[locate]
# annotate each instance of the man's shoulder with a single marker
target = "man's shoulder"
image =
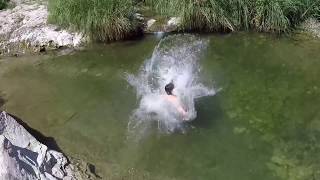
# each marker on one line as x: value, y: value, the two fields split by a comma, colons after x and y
x: 170, y: 97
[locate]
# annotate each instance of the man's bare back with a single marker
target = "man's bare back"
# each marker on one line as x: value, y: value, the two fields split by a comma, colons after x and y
x: 177, y: 104
x: 174, y: 101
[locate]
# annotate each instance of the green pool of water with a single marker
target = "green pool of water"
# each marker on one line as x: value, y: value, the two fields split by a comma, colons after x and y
x: 264, y: 124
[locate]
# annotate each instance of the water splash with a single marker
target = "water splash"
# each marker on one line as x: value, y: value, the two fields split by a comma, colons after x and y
x: 175, y: 59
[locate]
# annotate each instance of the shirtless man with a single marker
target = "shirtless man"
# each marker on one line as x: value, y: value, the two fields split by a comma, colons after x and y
x: 174, y: 100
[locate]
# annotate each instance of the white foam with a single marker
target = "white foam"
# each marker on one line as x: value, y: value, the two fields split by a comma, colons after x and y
x: 175, y: 59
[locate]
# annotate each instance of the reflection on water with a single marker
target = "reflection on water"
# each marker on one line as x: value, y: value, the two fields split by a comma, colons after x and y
x: 264, y: 124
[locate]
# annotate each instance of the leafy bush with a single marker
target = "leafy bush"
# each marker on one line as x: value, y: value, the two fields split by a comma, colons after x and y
x: 109, y: 20
x: 228, y: 15
x: 311, y: 8
x: 269, y: 16
x: 103, y: 20
x: 3, y: 4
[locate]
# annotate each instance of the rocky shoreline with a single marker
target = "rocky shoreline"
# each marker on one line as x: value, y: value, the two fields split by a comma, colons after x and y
x: 24, y: 29
x: 24, y: 157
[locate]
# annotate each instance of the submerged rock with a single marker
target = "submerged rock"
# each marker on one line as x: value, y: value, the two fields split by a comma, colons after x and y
x: 24, y: 28
x: 24, y: 157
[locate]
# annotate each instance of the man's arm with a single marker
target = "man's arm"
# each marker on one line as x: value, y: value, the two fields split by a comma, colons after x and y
x: 182, y: 112
x: 175, y: 101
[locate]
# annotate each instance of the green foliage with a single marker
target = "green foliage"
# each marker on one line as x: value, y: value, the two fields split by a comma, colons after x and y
x: 270, y: 17
x: 240, y: 11
x: 196, y: 15
x: 208, y: 16
x: 103, y: 20
x: 311, y: 8
x: 108, y: 20
x: 3, y: 4
x: 229, y: 15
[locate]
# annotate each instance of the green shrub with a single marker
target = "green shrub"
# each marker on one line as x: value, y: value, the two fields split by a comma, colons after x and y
x: 311, y: 8
x: 205, y: 16
x: 228, y: 15
x: 108, y: 20
x: 103, y: 20
x: 270, y: 17
x: 3, y: 4
x: 240, y: 13
x: 195, y: 15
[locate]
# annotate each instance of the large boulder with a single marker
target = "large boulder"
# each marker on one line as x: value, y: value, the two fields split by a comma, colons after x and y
x: 25, y: 28
x: 24, y: 157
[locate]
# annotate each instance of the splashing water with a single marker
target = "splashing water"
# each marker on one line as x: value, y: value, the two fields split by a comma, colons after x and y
x: 175, y: 59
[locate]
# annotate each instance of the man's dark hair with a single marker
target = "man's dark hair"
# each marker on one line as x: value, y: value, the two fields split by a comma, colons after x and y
x: 169, y: 87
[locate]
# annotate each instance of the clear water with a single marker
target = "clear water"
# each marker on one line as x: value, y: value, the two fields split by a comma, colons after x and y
x: 264, y: 124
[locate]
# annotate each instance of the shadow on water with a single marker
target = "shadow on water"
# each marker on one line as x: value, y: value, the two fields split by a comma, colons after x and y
x: 2, y: 100
x: 48, y: 141
x: 208, y: 111
x: 51, y: 143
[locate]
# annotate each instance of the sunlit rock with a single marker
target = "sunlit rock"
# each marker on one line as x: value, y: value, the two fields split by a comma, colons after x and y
x: 173, y: 24
x: 23, y: 157
x: 24, y: 28
x: 150, y: 23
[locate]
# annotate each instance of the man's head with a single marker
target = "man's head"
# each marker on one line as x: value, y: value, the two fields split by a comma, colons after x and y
x: 169, y: 87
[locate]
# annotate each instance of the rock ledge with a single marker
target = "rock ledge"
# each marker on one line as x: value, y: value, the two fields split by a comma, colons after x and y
x: 24, y: 157
x: 24, y: 28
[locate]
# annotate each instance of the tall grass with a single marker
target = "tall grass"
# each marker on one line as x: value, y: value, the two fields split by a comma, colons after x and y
x: 109, y: 20
x: 103, y: 20
x: 229, y: 15
x: 310, y: 8
x: 205, y: 16
x: 240, y: 11
x: 269, y: 16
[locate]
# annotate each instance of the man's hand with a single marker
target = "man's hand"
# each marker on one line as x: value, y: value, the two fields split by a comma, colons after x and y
x: 183, y: 113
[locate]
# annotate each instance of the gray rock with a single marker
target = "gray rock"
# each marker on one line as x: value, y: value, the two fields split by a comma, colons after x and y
x: 139, y: 16
x: 150, y: 22
x: 23, y: 157
x: 24, y: 28
x: 162, y: 25
x: 312, y: 26
x: 173, y: 24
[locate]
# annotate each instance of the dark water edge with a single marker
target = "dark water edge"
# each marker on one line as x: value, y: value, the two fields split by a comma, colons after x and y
x: 50, y: 142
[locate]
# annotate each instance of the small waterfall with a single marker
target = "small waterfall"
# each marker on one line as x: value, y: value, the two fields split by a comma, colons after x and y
x: 175, y: 59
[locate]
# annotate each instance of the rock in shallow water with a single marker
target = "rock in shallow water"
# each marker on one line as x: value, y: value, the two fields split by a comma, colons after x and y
x: 24, y: 28
x: 23, y: 157
x: 312, y: 26
x: 173, y: 24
